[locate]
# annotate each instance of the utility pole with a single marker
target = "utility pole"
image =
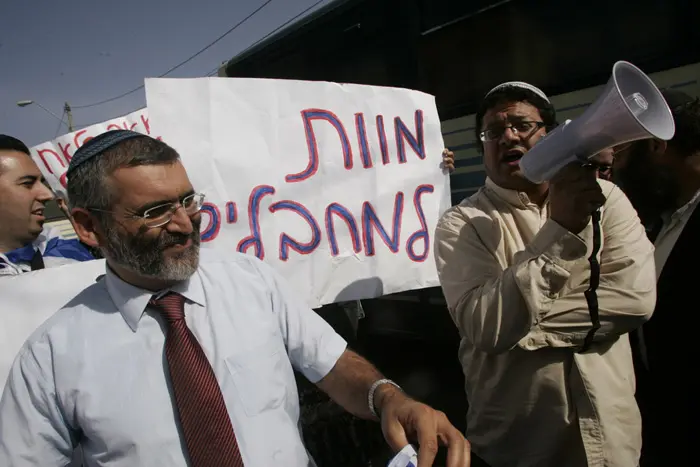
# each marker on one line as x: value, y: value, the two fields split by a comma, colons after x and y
x: 66, y: 110
x: 69, y: 114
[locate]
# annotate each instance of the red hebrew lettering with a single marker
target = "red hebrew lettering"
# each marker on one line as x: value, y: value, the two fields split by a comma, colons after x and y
x: 308, y: 116
x: 146, y: 125
x: 77, y: 141
x: 64, y: 151
x: 404, y: 135
x: 41, y: 153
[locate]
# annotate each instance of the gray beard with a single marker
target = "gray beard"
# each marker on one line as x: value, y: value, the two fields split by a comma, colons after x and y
x: 145, y: 257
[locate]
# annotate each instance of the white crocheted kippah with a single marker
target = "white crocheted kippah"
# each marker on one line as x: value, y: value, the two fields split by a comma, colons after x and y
x: 521, y: 85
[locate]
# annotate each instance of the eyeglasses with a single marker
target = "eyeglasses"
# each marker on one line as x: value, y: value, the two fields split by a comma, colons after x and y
x: 524, y: 128
x: 158, y: 216
x: 604, y: 170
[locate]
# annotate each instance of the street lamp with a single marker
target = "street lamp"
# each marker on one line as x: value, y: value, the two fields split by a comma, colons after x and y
x: 66, y: 109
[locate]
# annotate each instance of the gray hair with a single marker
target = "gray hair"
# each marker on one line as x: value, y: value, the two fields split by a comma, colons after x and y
x: 89, y: 185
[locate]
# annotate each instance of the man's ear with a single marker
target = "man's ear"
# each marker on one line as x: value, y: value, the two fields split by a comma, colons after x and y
x: 658, y: 147
x: 86, y: 227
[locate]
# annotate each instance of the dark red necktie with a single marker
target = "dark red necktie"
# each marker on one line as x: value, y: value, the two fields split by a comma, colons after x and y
x: 204, y: 419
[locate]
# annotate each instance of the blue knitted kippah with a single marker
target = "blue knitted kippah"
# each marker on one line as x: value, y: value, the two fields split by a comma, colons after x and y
x: 99, y: 144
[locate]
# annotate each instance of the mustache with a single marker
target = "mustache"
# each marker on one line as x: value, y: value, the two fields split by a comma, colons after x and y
x: 168, y: 239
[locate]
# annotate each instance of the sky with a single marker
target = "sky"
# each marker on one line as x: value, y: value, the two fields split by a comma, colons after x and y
x: 87, y: 51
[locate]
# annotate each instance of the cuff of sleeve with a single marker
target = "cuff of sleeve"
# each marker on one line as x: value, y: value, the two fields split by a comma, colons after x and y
x: 560, y: 246
x: 537, y: 339
x: 327, y: 357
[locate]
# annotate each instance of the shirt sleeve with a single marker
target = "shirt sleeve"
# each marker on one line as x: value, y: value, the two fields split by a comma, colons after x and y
x: 312, y: 344
x: 32, y: 427
x: 627, y: 290
x: 495, y: 305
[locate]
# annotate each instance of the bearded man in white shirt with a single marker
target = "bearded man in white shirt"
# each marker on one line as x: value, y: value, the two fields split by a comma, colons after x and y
x: 179, y: 356
x: 513, y: 265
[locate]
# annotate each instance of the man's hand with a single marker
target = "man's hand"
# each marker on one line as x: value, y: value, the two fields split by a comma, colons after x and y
x: 403, y: 418
x: 448, y: 160
x: 574, y: 193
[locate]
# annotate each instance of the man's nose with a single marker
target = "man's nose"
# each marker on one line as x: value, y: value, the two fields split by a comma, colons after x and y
x: 180, y: 222
x: 44, y: 193
x: 509, y: 136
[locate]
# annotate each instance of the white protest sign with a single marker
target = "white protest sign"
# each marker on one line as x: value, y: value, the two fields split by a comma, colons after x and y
x: 30, y: 299
x: 54, y: 156
x: 337, y: 186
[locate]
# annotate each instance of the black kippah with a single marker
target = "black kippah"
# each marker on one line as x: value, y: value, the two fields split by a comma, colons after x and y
x: 98, y: 145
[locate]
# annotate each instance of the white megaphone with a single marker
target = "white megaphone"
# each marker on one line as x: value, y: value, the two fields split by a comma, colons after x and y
x: 631, y: 108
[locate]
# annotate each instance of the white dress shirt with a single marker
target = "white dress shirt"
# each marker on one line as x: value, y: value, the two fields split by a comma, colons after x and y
x: 673, y: 225
x: 95, y: 373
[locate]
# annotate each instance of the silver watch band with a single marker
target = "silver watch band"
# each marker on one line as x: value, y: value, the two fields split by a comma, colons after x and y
x: 373, y: 389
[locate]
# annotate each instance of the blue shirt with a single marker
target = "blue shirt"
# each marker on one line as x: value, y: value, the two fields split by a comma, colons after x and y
x: 55, y: 251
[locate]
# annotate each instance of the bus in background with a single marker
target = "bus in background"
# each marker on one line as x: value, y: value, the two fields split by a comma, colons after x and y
x: 457, y: 51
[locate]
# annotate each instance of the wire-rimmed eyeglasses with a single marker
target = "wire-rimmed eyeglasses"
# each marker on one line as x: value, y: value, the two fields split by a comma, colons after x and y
x: 524, y: 127
x: 158, y: 216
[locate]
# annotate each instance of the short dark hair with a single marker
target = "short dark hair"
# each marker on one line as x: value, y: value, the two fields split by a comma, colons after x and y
x: 515, y: 94
x: 686, y: 140
x: 10, y: 143
x: 88, y: 185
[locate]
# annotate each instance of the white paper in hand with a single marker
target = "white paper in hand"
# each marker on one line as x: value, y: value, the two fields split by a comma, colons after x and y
x: 407, y: 457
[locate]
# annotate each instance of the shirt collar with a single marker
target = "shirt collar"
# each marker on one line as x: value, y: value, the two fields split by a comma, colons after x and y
x: 512, y: 197
x: 670, y: 216
x: 131, y: 301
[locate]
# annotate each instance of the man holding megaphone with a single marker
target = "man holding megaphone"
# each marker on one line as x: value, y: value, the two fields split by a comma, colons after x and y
x: 545, y: 352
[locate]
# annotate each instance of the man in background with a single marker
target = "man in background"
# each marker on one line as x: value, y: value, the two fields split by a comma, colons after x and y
x: 662, y: 180
x: 24, y: 243
x: 62, y: 203
x: 603, y: 162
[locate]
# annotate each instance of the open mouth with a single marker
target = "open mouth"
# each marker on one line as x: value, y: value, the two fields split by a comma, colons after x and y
x: 512, y: 157
x: 38, y: 212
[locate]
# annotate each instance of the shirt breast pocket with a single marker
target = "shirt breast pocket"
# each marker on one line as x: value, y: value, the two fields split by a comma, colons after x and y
x: 260, y: 376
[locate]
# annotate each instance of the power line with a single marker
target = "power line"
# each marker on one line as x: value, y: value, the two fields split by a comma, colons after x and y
x: 293, y: 18
x: 60, y: 124
x: 274, y: 31
x: 179, y: 64
x: 215, y: 70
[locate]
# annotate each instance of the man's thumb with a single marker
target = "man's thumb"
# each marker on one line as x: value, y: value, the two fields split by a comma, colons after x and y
x: 394, y: 435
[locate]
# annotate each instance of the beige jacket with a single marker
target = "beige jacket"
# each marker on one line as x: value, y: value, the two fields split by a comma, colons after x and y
x: 514, y: 282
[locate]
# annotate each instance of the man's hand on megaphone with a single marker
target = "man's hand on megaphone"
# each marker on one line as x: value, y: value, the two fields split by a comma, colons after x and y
x: 574, y: 193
